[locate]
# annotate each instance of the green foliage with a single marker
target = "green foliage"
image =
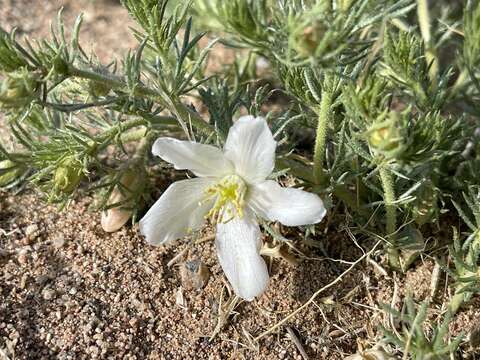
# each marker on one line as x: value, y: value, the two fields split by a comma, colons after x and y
x: 19, y: 88
x: 10, y: 54
x: 412, y: 337
x: 471, y: 45
x: 465, y: 256
x: 10, y: 173
x: 151, y: 16
x: 246, y: 19
x: 65, y: 108
x: 405, y: 63
x: 323, y: 32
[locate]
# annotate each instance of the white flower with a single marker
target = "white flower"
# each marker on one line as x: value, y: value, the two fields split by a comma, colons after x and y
x: 231, y: 190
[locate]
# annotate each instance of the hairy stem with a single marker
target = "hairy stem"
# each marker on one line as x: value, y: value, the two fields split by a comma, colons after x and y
x: 126, y: 125
x: 321, y: 136
x: 134, y: 135
x: 144, y: 146
x: 386, y: 178
x: 430, y: 54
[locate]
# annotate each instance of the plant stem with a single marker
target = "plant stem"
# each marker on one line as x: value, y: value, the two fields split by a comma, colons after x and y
x: 156, y: 119
x: 430, y: 55
x: 103, y: 138
x: 112, y: 81
x: 126, y: 125
x: 174, y: 105
x: 386, y: 178
x: 321, y: 136
x: 144, y: 146
x: 134, y: 135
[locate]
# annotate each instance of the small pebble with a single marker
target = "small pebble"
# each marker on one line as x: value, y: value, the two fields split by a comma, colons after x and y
x: 58, y: 242
x: 23, y: 281
x: 194, y: 274
x: 48, y: 294
x: 179, y: 299
x: 23, y: 256
x: 93, y: 350
x: 32, y: 231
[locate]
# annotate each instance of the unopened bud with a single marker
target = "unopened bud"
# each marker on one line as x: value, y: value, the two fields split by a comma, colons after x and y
x: 385, y: 137
x: 425, y: 206
x: 98, y: 89
x: 113, y: 219
x: 9, y: 172
x: 60, y: 65
x: 307, y: 38
x: 68, y: 175
x: 18, y: 89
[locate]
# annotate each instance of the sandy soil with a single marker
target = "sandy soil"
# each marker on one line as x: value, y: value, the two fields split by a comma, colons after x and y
x: 71, y: 291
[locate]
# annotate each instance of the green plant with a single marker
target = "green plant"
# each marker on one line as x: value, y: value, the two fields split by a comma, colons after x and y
x: 376, y: 115
x: 414, y: 340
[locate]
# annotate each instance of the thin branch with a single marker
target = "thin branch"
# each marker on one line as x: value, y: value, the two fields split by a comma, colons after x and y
x: 316, y: 294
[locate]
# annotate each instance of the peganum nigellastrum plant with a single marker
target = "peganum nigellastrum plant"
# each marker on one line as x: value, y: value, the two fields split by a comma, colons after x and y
x: 373, y: 105
x: 231, y: 191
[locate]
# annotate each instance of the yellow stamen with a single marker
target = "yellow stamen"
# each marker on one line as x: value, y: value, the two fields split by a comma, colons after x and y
x: 229, y: 195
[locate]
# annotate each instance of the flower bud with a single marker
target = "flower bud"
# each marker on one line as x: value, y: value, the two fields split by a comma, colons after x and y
x: 306, y: 39
x: 309, y: 33
x: 412, y: 245
x: 113, y: 219
x: 9, y: 172
x: 60, y: 65
x: 18, y: 89
x: 68, y: 175
x: 425, y: 206
x: 385, y: 137
x: 98, y: 89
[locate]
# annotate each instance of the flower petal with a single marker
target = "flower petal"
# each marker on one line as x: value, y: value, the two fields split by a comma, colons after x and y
x: 177, y: 212
x: 292, y: 207
x: 251, y: 148
x: 201, y: 159
x: 238, y: 246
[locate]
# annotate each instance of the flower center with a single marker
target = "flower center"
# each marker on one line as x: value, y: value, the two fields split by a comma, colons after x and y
x: 229, y: 194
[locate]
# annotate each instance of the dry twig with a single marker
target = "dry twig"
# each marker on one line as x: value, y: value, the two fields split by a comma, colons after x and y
x: 314, y: 296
